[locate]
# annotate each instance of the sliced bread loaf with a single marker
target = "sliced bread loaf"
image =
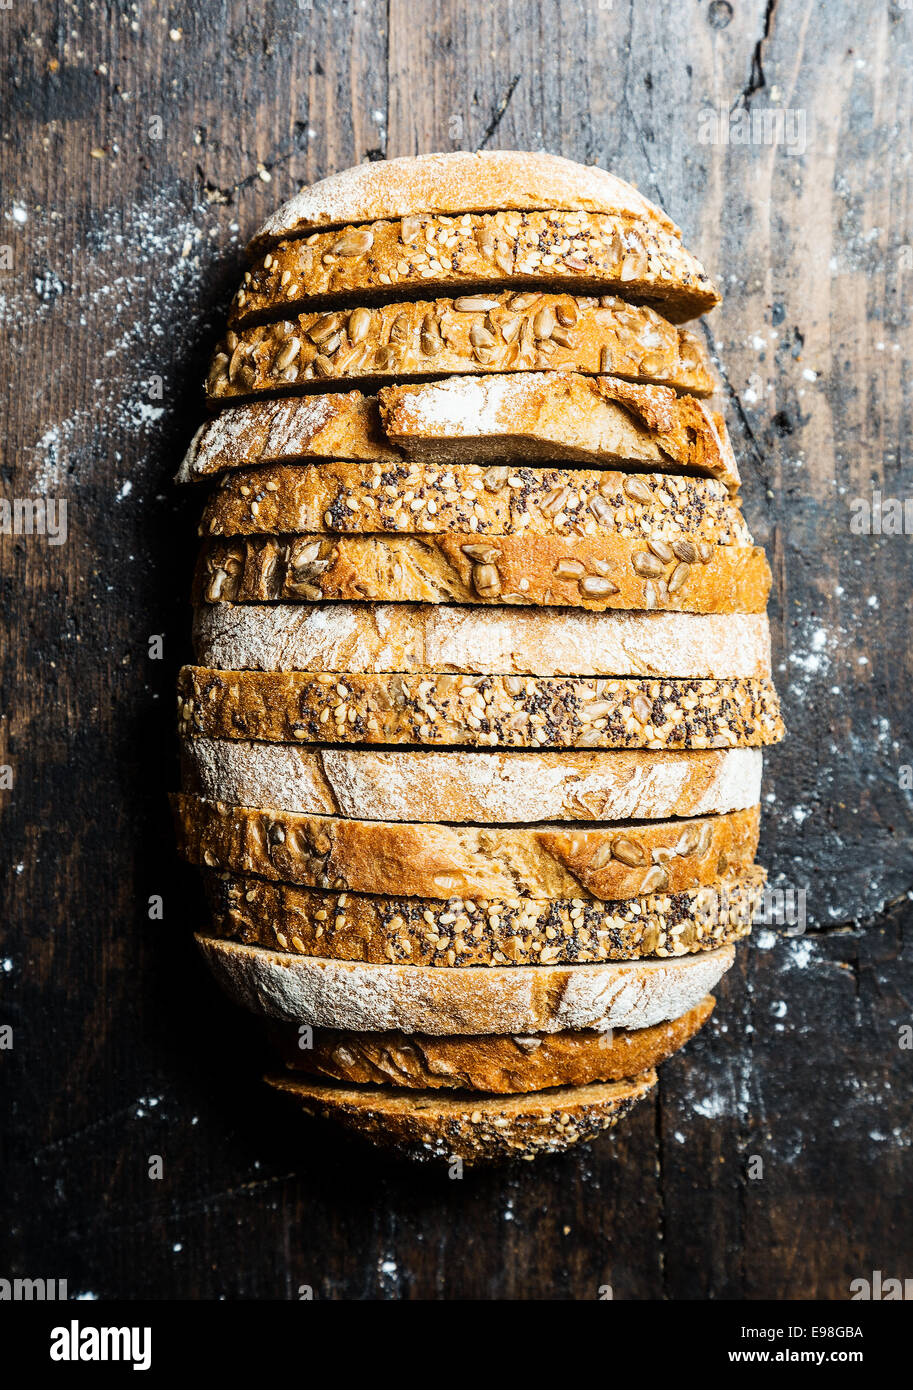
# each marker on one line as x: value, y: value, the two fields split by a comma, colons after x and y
x: 513, y: 931
x: 473, y: 1128
x: 477, y: 711
x: 422, y: 859
x: 493, y: 1063
x: 494, y: 333
x: 461, y: 785
x: 389, y: 637
x: 465, y: 999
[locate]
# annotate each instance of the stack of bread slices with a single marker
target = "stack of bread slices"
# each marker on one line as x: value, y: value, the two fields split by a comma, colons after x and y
x: 472, y: 751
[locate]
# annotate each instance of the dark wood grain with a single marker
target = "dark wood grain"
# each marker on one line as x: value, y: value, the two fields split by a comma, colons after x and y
x: 124, y: 249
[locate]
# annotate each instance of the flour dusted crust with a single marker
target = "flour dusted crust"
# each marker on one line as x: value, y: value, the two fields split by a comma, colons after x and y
x: 557, y: 416
x: 458, y: 181
x: 480, y: 711
x: 593, y: 253
x: 414, y: 497
x: 420, y: 859
x: 459, y: 785
x: 487, y: 932
x: 344, y: 425
x: 463, y: 1000
x: 491, y: 333
x: 364, y: 638
x: 492, y: 1063
x: 424, y: 1126
x: 683, y: 574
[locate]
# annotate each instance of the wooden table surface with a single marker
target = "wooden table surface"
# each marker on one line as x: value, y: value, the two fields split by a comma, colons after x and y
x: 141, y: 145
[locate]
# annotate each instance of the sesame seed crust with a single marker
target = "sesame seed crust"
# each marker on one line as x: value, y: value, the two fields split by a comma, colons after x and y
x: 420, y: 859
x: 354, y: 498
x: 477, y: 711
x: 484, y: 932
x: 525, y: 332
x: 683, y: 574
x: 594, y: 253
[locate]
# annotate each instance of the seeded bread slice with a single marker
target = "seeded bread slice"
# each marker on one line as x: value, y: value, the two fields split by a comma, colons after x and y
x: 421, y: 859
x: 588, y: 252
x: 515, y: 931
x: 480, y: 711
x: 425, y: 637
x: 476, y: 1129
x: 488, y: 787
x: 462, y: 1000
x: 342, y: 425
x: 457, y: 182
x: 352, y: 498
x: 686, y: 575
x: 499, y: 332
x: 494, y: 1064
x: 557, y: 416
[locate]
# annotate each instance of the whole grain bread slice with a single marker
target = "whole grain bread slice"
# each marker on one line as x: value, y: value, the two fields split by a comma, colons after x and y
x: 492, y: 1063
x: 457, y: 182
x: 477, y: 711
x: 492, y: 333
x: 424, y: 859
x: 684, y: 575
x: 476, y: 1129
x: 465, y: 999
x: 352, y: 498
x: 364, y: 638
x: 557, y: 416
x: 491, y: 786
x: 588, y: 252
x: 342, y: 425
x: 490, y: 932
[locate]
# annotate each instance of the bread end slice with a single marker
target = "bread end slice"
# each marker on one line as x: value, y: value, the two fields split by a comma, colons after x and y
x: 425, y: 1125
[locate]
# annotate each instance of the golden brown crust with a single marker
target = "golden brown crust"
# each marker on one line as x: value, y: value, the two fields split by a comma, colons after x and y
x: 340, y: 425
x: 445, y: 861
x: 591, y: 253
x: 477, y: 711
x: 525, y: 332
x: 512, y: 931
x: 457, y: 181
x: 354, y: 498
x: 492, y: 1063
x: 476, y: 1128
x: 682, y: 575
x: 557, y: 416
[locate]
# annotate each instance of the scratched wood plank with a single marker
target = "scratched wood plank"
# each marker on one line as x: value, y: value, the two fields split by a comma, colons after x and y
x: 134, y: 165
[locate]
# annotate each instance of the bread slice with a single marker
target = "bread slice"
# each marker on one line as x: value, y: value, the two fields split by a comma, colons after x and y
x: 423, y: 859
x: 490, y: 333
x: 352, y: 498
x: 477, y: 711
x: 391, y: 637
x: 475, y: 1129
x: 587, y: 252
x: 493, y: 1063
x: 560, y: 416
x: 459, y: 785
x: 513, y: 931
x: 344, y: 425
x: 465, y: 999
x: 458, y: 182
x: 685, y: 575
